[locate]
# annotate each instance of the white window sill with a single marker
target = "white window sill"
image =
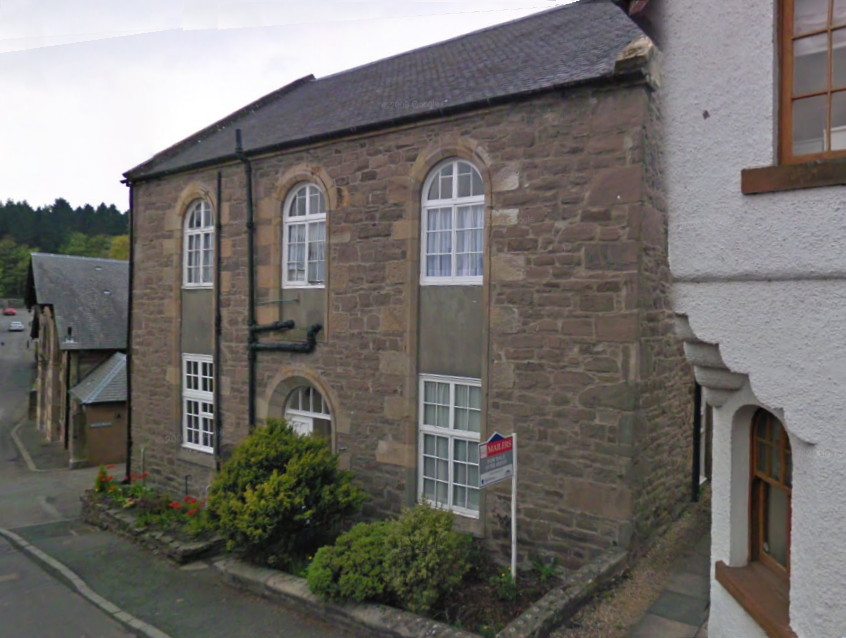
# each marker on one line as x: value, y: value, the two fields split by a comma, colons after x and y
x: 450, y: 281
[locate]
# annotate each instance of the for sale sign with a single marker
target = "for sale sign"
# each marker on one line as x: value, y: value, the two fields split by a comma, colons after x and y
x: 496, y: 459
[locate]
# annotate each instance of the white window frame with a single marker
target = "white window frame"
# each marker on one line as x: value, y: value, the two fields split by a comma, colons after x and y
x: 453, y: 203
x: 203, y: 398
x: 302, y: 420
x: 472, y: 438
x: 308, y: 220
x: 204, y: 234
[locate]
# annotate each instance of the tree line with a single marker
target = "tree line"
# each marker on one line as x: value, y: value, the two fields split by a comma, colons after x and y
x: 58, y: 228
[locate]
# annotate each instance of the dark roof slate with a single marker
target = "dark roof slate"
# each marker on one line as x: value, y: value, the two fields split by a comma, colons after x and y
x: 567, y: 45
x: 88, y: 295
x: 105, y: 384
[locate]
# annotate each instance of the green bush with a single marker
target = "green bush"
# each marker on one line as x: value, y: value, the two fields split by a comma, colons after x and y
x: 414, y: 561
x: 280, y: 495
x: 351, y: 569
x: 424, y: 558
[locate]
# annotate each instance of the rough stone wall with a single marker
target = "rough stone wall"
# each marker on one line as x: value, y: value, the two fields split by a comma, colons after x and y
x: 662, y: 465
x: 566, y: 178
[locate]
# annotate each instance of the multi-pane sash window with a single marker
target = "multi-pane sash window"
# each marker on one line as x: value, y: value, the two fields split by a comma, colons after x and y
x: 304, y: 243
x: 199, y: 245
x: 450, y: 426
x: 453, y: 224
x: 198, y: 402
x: 772, y: 481
x: 813, y: 63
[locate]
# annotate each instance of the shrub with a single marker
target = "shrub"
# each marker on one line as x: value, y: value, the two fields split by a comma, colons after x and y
x: 281, y: 494
x: 351, y: 569
x: 414, y: 561
x: 424, y: 558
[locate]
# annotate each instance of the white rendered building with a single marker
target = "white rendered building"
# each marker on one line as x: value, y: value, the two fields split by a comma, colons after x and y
x: 755, y: 132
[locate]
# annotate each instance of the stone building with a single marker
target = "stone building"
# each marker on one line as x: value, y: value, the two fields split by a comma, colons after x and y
x: 79, y: 307
x: 755, y: 122
x: 411, y: 255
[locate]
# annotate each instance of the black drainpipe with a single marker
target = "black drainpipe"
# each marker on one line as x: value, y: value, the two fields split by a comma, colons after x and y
x: 251, y: 297
x: 697, y: 438
x: 129, y: 335
x: 218, y: 229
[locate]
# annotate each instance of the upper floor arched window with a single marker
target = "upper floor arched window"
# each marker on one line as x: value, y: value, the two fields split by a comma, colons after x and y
x: 304, y: 237
x: 199, y: 246
x: 453, y: 225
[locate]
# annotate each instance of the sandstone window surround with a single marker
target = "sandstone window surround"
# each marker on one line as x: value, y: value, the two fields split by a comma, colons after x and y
x: 198, y: 402
x: 198, y: 246
x: 304, y: 238
x: 452, y: 219
x: 450, y: 426
x: 307, y: 412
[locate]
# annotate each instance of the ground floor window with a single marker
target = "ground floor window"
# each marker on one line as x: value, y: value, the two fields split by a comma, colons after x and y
x: 307, y: 412
x: 198, y: 402
x: 450, y: 426
x: 772, y: 481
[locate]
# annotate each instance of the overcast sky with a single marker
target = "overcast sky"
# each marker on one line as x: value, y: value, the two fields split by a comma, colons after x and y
x: 91, y: 88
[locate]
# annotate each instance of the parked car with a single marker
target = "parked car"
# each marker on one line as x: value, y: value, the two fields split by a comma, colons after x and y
x: 16, y: 326
x: 9, y: 311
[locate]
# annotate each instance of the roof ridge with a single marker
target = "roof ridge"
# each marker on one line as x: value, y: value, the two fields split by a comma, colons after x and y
x: 117, y: 261
x: 462, y: 36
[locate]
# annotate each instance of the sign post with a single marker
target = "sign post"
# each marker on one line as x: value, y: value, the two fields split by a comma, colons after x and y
x: 498, y: 461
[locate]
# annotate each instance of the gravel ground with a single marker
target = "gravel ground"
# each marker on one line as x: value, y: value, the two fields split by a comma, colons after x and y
x: 614, y: 612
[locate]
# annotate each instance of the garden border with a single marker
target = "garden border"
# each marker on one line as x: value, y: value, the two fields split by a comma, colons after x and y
x: 542, y: 617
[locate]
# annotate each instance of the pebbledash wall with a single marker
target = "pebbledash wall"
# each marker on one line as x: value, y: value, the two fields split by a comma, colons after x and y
x: 761, y: 290
x: 577, y: 349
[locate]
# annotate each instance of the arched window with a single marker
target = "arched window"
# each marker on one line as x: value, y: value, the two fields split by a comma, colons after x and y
x: 453, y: 224
x: 307, y: 412
x: 772, y: 481
x: 199, y: 246
x: 304, y: 237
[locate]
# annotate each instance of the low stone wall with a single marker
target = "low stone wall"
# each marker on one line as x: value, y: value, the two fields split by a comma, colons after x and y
x: 125, y: 523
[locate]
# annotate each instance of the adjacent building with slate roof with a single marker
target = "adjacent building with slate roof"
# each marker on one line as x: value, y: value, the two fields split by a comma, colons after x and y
x: 80, y: 307
x: 411, y: 255
x: 99, y: 405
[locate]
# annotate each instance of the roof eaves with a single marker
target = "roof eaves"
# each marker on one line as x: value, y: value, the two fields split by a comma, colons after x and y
x: 616, y: 75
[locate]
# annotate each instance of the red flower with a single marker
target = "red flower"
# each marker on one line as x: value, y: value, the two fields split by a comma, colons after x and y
x: 192, y: 511
x: 175, y: 505
x: 110, y: 478
x: 111, y: 466
x: 190, y: 500
x: 143, y: 475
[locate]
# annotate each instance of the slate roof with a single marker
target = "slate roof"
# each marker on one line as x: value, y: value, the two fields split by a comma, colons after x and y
x: 105, y: 384
x: 88, y: 295
x: 556, y: 48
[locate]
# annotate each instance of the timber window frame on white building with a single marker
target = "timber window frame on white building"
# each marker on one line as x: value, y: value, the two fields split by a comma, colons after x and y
x: 304, y: 237
x: 198, y: 246
x: 450, y: 416
x: 452, y: 232
x: 198, y: 402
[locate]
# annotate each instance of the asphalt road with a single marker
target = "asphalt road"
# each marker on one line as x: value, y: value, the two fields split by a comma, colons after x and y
x: 42, y: 508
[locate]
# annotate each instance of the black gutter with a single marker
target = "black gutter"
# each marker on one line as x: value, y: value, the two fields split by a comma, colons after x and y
x: 614, y: 78
x: 129, y: 334
x: 218, y: 230
x: 251, y: 296
x: 305, y: 347
x: 697, y: 447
